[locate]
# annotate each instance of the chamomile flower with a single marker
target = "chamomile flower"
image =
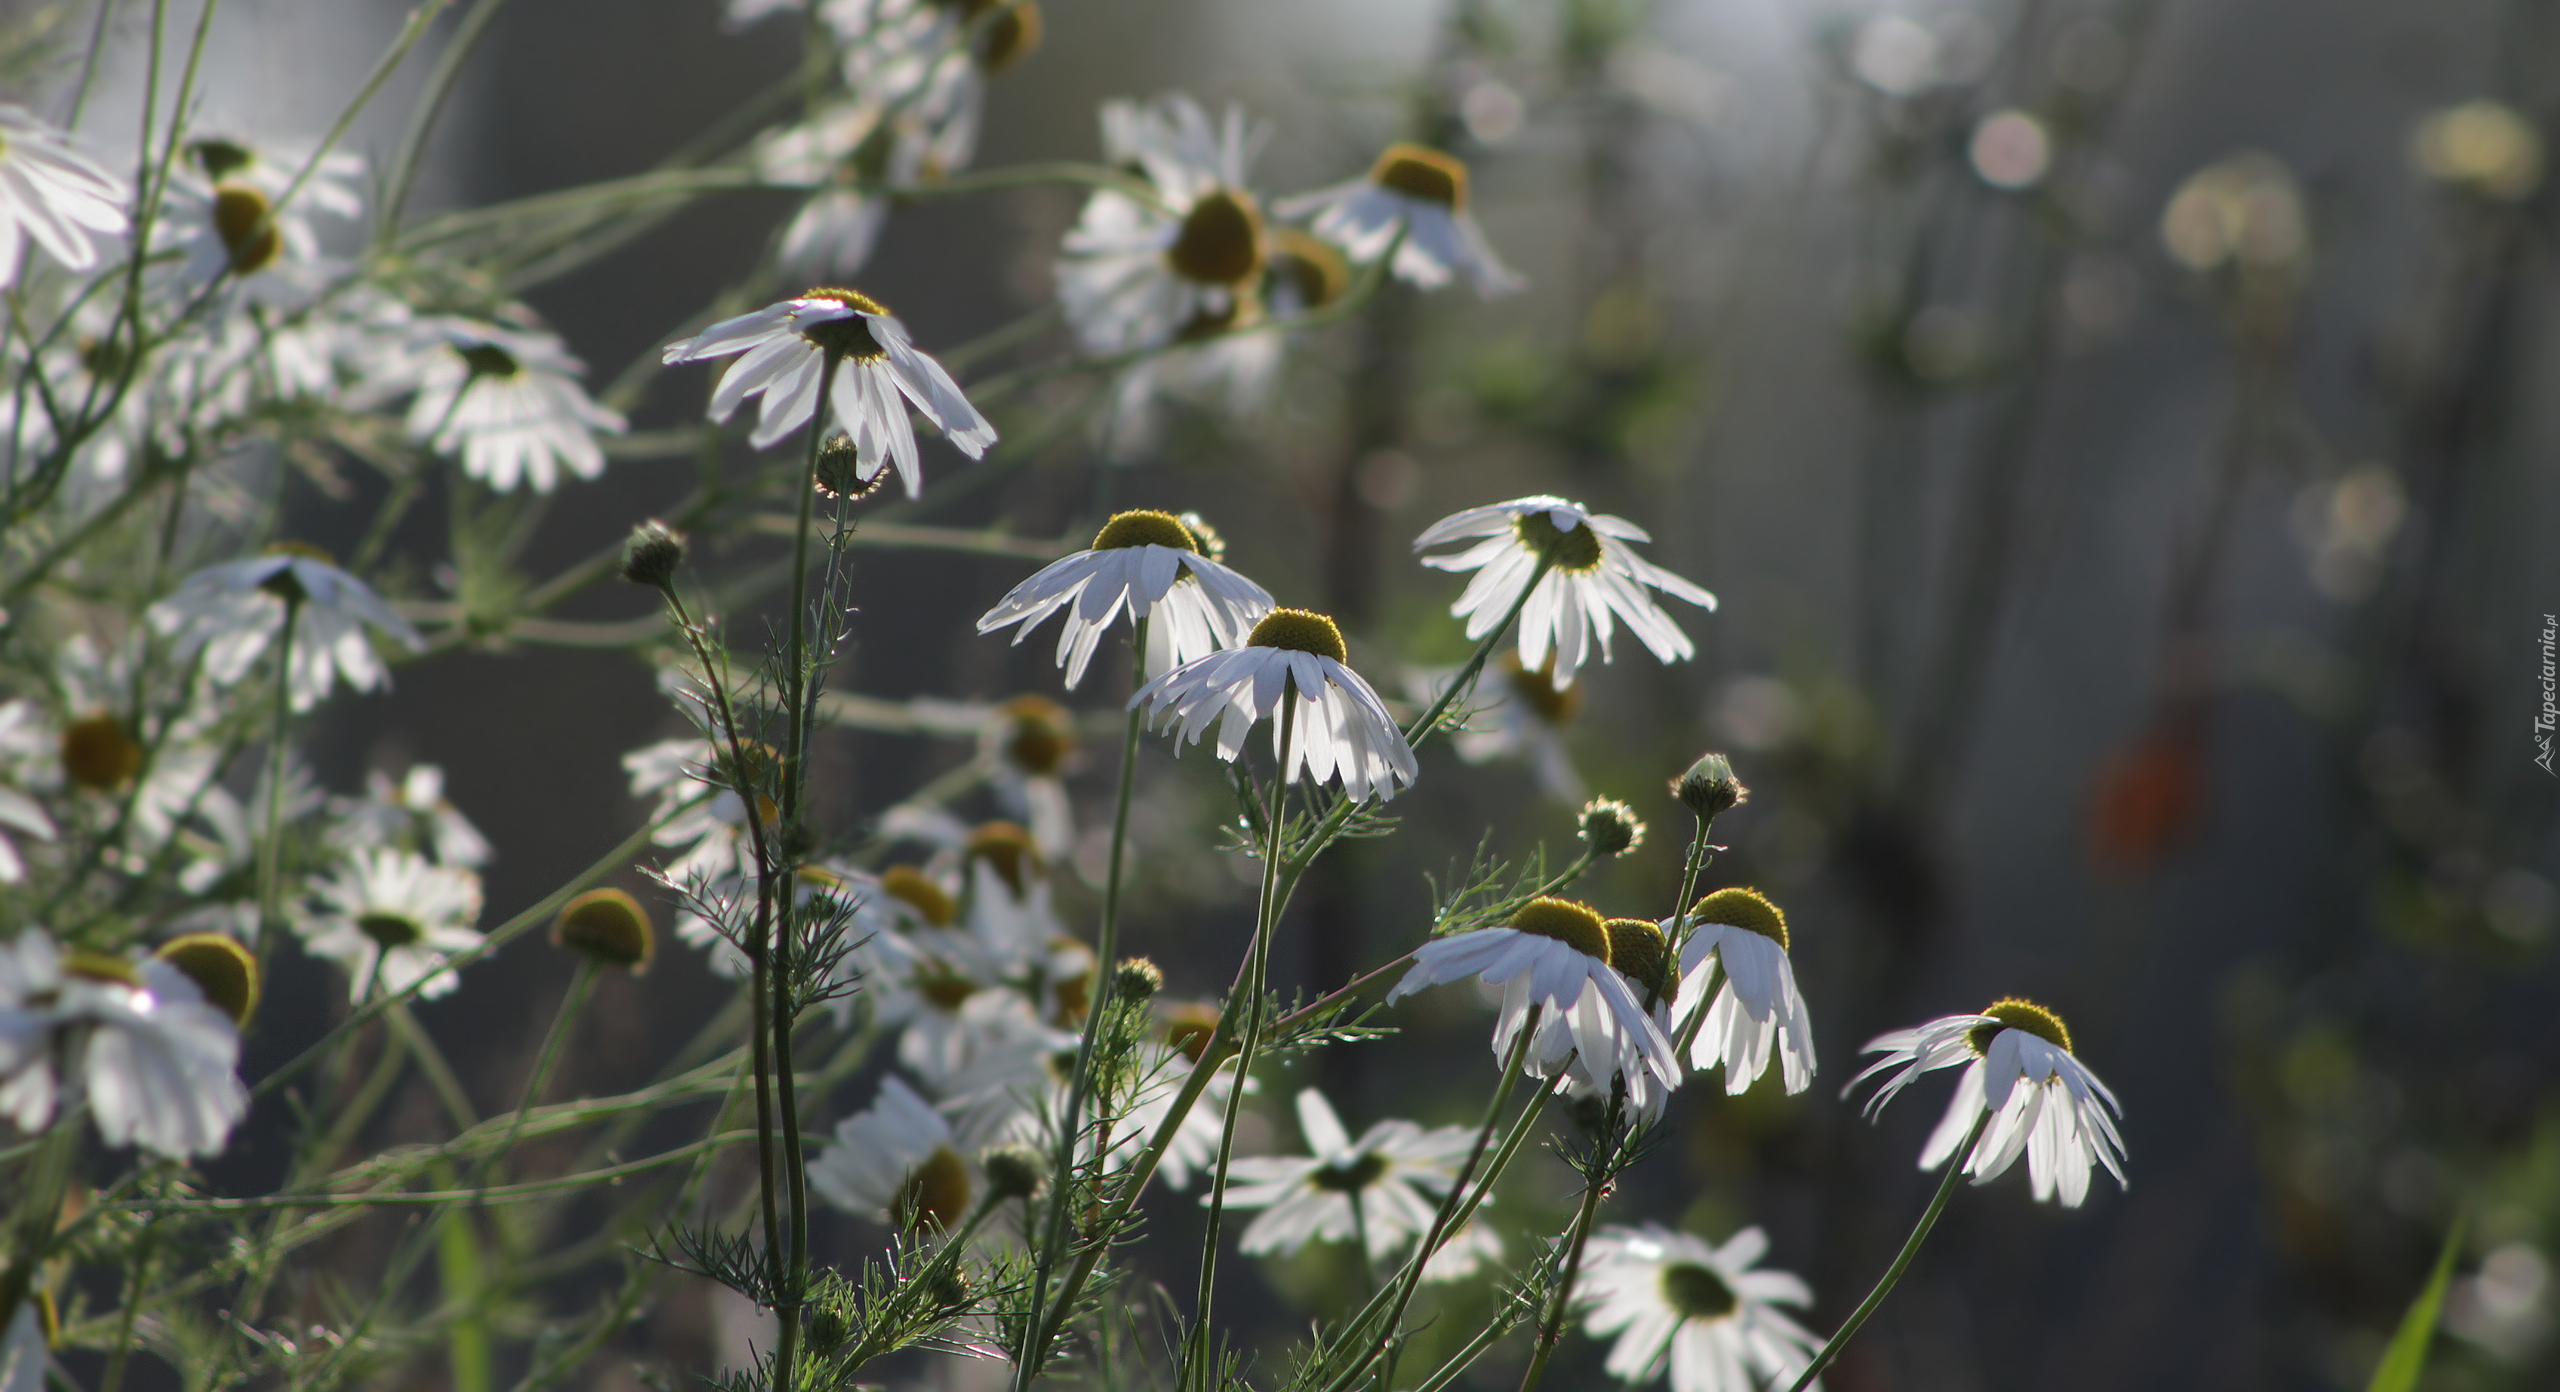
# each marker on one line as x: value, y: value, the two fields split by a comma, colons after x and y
x: 1682, y: 1301
x: 2019, y: 1066
x: 1150, y: 565
x: 153, y: 1059
x: 1421, y: 193
x: 410, y: 812
x: 1136, y: 273
x: 1556, y: 953
x: 507, y: 402
x: 850, y: 157
x: 233, y: 612
x: 1339, y: 728
x: 896, y: 1160
x: 1595, y: 581
x: 1388, y: 1184
x: 393, y: 919
x: 787, y: 348
x: 52, y: 195
x: 225, y: 209
x: 1757, y: 1011
x: 1027, y: 744
x: 1519, y: 715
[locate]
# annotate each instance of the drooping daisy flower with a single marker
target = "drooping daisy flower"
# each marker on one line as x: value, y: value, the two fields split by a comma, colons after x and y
x: 787, y: 346
x: 1423, y: 193
x: 52, y: 195
x: 1595, y: 577
x: 1556, y: 953
x: 506, y: 400
x: 1520, y: 716
x: 1757, y: 1012
x: 2019, y: 1066
x: 1683, y: 1301
x: 393, y: 918
x: 232, y: 613
x: 896, y: 1160
x: 1027, y: 744
x: 1389, y: 1183
x: 136, y: 1039
x: 1151, y: 565
x: 411, y: 813
x: 1340, y: 727
x: 1135, y: 273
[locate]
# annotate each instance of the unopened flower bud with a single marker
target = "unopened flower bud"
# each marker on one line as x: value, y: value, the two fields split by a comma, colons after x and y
x: 1612, y: 827
x: 1137, y: 979
x: 610, y: 927
x: 220, y: 967
x: 840, y: 470
x: 652, y: 554
x: 1014, y: 1171
x: 1709, y: 788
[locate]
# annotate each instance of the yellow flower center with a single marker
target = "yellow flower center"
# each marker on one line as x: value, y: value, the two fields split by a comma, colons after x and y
x: 930, y: 901
x: 1312, y: 265
x: 98, y: 754
x: 390, y: 930
x: 252, y: 238
x: 1189, y: 1028
x: 1537, y: 690
x: 848, y: 338
x: 1575, y: 925
x: 947, y: 990
x: 1697, y: 1292
x: 1640, y: 953
x: 220, y: 159
x: 2025, y: 1015
x: 100, y: 966
x: 489, y: 360
x: 1299, y: 630
x: 1744, y: 908
x: 936, y: 1193
x: 1350, y: 1176
x: 1041, y: 735
x: 1422, y: 173
x: 608, y: 926
x: 1221, y: 239
x: 1576, y: 550
x: 220, y: 967
x: 1008, y: 850
x: 1009, y: 38
x: 1144, y: 527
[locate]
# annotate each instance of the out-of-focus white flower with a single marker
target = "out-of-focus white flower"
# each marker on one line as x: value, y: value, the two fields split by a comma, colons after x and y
x: 1136, y: 273
x: 20, y: 813
x: 1149, y: 564
x: 1701, y: 1309
x: 851, y: 160
x: 1027, y: 745
x: 233, y: 612
x: 411, y: 813
x: 1386, y: 1185
x: 2018, y: 1062
x: 786, y: 347
x: 1595, y: 576
x: 1758, y: 1011
x: 1556, y: 953
x: 506, y: 400
x: 52, y: 195
x: 392, y: 919
x: 1340, y: 728
x: 224, y: 207
x: 896, y: 1160
x: 1519, y: 715
x: 1421, y: 193
x: 135, y: 1039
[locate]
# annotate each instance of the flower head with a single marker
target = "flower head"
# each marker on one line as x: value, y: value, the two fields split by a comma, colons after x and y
x: 1138, y: 273
x: 1387, y: 1183
x: 1150, y: 565
x: 1595, y: 580
x: 393, y: 919
x: 136, y: 1038
x: 897, y: 1160
x: 505, y: 400
x: 1338, y: 727
x: 232, y: 612
x: 1682, y: 1301
x: 1422, y: 194
x: 788, y: 348
x: 2043, y: 1101
x: 52, y: 195
x: 1757, y: 1011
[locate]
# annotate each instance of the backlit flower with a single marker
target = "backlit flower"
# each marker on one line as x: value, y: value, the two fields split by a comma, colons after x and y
x: 1423, y: 194
x: 53, y: 196
x: 1596, y: 580
x: 136, y: 1039
x: 1149, y: 565
x: 1756, y: 1011
x: 896, y: 1160
x: 1339, y: 729
x: 393, y: 919
x: 1388, y: 1183
x: 233, y: 612
x: 2018, y: 1062
x: 1681, y: 1301
x: 508, y: 402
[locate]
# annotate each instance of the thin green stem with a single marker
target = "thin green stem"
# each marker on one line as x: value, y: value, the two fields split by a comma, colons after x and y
x: 422, y: 117
x: 1902, y: 1261
x: 1551, y: 1328
x: 114, y: 1380
x: 271, y: 847
x: 563, y: 1020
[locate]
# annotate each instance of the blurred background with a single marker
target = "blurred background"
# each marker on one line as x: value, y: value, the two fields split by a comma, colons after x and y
x: 2121, y: 435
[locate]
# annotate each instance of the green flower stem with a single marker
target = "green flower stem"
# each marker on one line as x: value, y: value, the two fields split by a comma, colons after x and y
x: 563, y: 1020
x: 1257, y: 978
x: 271, y: 847
x: 1551, y: 1328
x: 1449, y: 1219
x: 123, y: 1347
x: 431, y: 1061
x: 1901, y: 1262
x: 422, y: 118
x: 1106, y: 952
x: 502, y: 1193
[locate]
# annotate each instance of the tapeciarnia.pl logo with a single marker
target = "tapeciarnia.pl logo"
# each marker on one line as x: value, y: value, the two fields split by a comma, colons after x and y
x: 2547, y: 720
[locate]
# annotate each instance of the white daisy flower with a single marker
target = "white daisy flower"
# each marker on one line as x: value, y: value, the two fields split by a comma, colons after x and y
x: 1701, y: 1309
x: 1027, y: 745
x: 1151, y: 565
x: 1136, y: 273
x: 1556, y: 953
x: 230, y: 613
x: 1595, y: 577
x: 1389, y: 1183
x: 1341, y: 727
x: 1758, y: 1012
x: 224, y: 209
x: 786, y: 347
x: 410, y: 813
x: 2019, y: 1066
x: 1422, y: 193
x: 896, y: 1160
x: 392, y: 919
x: 1521, y: 716
x: 507, y: 401
x: 52, y: 195
x: 851, y: 160
x: 1017, y: 1086
x: 136, y: 1039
